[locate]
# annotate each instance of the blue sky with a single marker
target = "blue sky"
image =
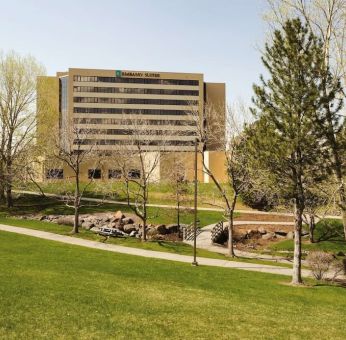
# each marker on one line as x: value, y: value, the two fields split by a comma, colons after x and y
x: 219, y: 38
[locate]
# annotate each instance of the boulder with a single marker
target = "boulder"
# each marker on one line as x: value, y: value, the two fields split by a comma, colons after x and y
x: 133, y: 233
x: 261, y: 230
x: 67, y: 220
x: 127, y: 220
x: 290, y: 235
x: 152, y: 231
x: 128, y: 228
x: 118, y: 215
x: 280, y: 233
x: 87, y: 225
x: 172, y: 228
x: 112, y: 225
x: 161, y: 229
x: 253, y: 234
x: 268, y: 236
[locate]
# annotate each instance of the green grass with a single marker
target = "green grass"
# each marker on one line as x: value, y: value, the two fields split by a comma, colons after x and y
x: 159, y: 193
x: 34, y: 204
x: 163, y: 246
x: 328, y: 233
x: 54, y: 291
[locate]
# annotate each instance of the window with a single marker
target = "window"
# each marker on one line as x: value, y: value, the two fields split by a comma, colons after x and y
x: 134, y: 174
x: 135, y: 80
x: 96, y: 89
x: 94, y: 173
x: 114, y: 173
x: 134, y: 101
x: 130, y: 111
x: 55, y: 174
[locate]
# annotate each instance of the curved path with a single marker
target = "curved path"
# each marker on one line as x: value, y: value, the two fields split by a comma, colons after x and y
x: 203, y: 241
x: 150, y: 253
x: 168, y: 206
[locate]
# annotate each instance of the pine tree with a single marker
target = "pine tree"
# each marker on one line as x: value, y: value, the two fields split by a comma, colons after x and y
x: 286, y: 140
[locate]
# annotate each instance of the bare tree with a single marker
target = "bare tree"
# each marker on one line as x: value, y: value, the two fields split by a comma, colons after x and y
x: 229, y: 139
x: 138, y: 158
x: 177, y: 181
x: 17, y: 114
x: 74, y: 147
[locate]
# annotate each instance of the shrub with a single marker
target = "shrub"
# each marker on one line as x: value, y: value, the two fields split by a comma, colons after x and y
x: 258, y: 200
x: 320, y: 262
x: 329, y: 230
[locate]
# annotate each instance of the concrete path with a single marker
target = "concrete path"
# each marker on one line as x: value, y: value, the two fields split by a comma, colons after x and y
x: 167, y: 206
x: 149, y: 253
x: 203, y: 241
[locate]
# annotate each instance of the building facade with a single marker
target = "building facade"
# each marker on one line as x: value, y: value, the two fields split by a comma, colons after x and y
x: 117, y: 109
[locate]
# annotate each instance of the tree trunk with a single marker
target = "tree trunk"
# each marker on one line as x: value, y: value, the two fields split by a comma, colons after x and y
x: 344, y: 221
x: 9, y: 198
x: 8, y: 183
x: 312, y: 226
x: 342, y: 198
x: 75, y: 229
x: 230, y: 227
x: 145, y: 215
x: 178, y: 215
x: 144, y: 231
x: 2, y: 185
x: 230, y: 236
x: 297, y: 256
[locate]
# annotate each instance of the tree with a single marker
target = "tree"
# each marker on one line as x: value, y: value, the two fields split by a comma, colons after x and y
x: 74, y: 147
x: 327, y: 19
x: 230, y: 140
x: 138, y: 159
x: 286, y: 140
x: 177, y: 182
x: 17, y: 114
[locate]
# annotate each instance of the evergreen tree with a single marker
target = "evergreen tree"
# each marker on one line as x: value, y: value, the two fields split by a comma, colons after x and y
x: 286, y: 140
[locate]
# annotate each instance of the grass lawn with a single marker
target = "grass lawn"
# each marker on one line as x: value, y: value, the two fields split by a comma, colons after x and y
x: 51, y: 290
x: 328, y: 233
x: 164, y: 246
x: 34, y: 204
x: 160, y: 193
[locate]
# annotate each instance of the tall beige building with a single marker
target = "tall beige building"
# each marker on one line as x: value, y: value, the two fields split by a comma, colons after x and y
x: 109, y: 105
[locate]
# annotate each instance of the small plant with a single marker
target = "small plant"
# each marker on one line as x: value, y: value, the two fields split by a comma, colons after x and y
x: 320, y: 263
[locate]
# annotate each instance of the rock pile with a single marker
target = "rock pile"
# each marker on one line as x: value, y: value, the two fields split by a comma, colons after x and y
x: 126, y: 225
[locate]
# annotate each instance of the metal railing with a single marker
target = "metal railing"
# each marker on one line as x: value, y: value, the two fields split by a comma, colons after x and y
x: 188, y: 232
x: 217, y: 232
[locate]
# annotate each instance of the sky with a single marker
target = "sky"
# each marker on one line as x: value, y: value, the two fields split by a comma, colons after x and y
x: 220, y: 38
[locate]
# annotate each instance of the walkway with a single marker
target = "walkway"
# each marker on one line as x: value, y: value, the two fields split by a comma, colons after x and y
x: 149, y: 253
x: 203, y: 241
x: 168, y: 206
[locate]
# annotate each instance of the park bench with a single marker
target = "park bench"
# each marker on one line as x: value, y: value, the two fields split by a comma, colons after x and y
x: 110, y: 232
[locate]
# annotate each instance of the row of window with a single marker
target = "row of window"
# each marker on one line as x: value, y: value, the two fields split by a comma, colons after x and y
x: 133, y: 142
x: 130, y: 132
x: 128, y: 111
x: 136, y: 80
x: 95, y: 174
x: 131, y: 122
x: 134, y: 101
x: 134, y: 90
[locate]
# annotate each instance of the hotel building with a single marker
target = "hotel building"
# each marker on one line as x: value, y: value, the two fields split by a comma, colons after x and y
x: 109, y: 105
